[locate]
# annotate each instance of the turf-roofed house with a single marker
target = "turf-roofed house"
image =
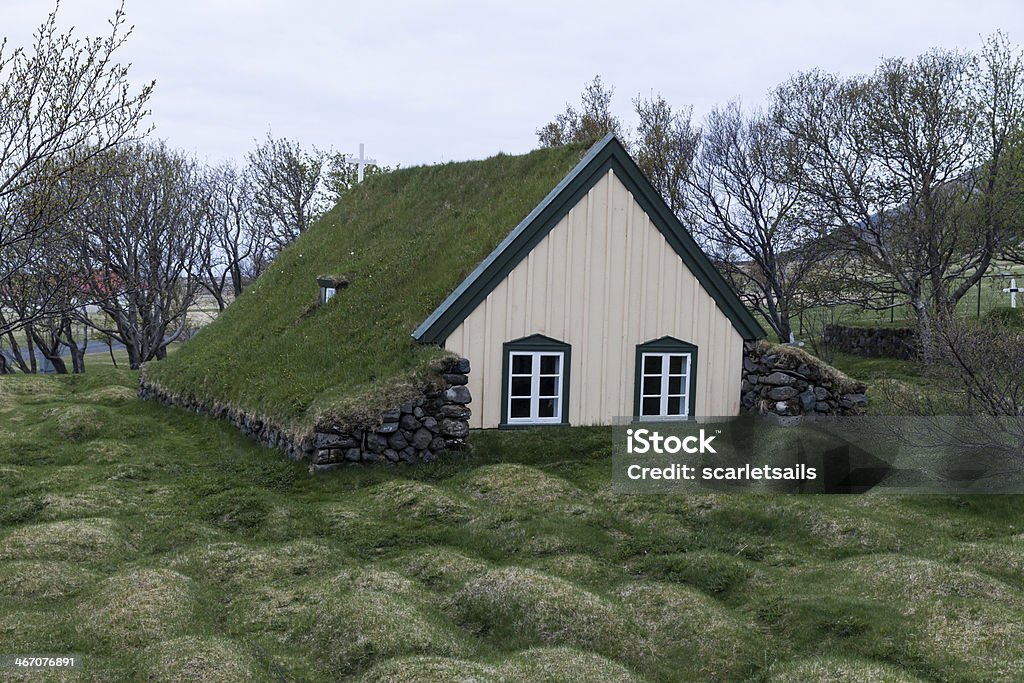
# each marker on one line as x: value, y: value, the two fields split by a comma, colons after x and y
x: 552, y: 288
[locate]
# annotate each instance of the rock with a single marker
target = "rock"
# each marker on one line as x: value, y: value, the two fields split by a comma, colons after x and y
x: 822, y: 394
x: 456, y: 379
x: 390, y: 415
x: 407, y: 407
x: 749, y: 365
x: 376, y: 443
x: 462, y: 366
x: 388, y: 428
x: 807, y: 400
x: 458, y: 395
x: 422, y: 438
x: 430, y: 423
x: 325, y: 440
x: 779, y: 379
x: 409, y: 422
x: 457, y: 412
x: 455, y: 428
x: 418, y: 413
x: 822, y: 407
x: 320, y: 469
x: 391, y: 454
x: 408, y: 454
x: 438, y: 444
x: 353, y: 455
x: 398, y: 441
x: 782, y: 393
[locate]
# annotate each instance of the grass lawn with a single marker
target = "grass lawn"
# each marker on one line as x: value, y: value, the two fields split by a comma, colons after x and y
x: 165, y: 546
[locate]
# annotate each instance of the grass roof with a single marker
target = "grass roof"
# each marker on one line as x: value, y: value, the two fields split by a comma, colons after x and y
x: 404, y: 240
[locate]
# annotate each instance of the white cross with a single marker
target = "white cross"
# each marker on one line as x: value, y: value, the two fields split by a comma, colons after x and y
x: 362, y: 162
x: 1013, y: 289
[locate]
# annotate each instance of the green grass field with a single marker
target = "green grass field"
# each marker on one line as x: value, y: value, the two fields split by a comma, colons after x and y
x: 165, y: 546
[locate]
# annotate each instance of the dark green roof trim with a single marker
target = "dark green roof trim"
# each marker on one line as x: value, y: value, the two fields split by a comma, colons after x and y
x: 607, y: 154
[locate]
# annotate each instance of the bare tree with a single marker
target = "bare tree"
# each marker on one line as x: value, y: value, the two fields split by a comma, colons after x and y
x: 665, y: 144
x: 236, y: 248
x: 895, y: 163
x: 591, y: 121
x: 141, y: 243
x: 287, y: 187
x: 742, y: 205
x: 62, y: 101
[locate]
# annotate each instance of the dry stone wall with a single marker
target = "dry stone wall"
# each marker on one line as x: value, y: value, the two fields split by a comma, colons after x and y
x: 789, y: 381
x: 873, y: 342
x: 416, y: 431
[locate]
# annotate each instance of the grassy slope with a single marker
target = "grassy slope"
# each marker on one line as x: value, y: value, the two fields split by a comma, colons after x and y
x: 161, y: 544
x: 409, y: 238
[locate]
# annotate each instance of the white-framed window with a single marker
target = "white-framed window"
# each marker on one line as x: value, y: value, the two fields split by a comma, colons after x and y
x: 665, y: 384
x: 535, y: 387
x: 329, y: 293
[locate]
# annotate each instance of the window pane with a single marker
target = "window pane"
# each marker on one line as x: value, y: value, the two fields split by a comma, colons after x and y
x: 549, y: 365
x: 546, y: 406
x: 522, y: 365
x: 675, y: 365
x: 520, y: 386
x: 675, y: 404
x: 520, y: 408
x: 652, y: 386
x: 675, y: 385
x: 549, y: 386
x: 652, y: 365
x: 651, y: 406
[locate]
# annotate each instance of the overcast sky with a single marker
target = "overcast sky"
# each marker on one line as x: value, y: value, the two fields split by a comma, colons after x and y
x: 421, y: 82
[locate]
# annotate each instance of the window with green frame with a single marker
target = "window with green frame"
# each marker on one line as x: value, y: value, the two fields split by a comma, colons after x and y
x: 535, y: 381
x: 666, y: 379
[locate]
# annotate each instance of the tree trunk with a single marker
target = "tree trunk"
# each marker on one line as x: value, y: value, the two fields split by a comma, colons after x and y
x: 925, y: 332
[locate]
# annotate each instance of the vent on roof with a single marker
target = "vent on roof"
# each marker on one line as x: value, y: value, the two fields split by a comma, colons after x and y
x: 330, y: 285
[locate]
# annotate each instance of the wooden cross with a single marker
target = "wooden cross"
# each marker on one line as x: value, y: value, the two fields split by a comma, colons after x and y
x: 362, y: 162
x: 1013, y: 289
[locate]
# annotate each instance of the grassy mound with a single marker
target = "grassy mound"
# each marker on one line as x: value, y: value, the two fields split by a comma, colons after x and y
x: 77, y: 423
x: 430, y: 670
x: 563, y: 664
x: 537, y: 665
x: 519, y: 485
x: 211, y: 660
x: 441, y: 567
x: 237, y: 564
x: 697, y: 638
x: 407, y: 239
x: 420, y: 501
x: 137, y: 607
x: 514, y: 607
x: 78, y: 540
x: 43, y: 580
x: 350, y: 629
x: 835, y: 670
x: 111, y: 396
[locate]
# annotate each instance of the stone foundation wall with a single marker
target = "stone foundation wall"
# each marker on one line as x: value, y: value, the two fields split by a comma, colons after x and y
x: 418, y: 430
x: 873, y: 342
x: 789, y: 381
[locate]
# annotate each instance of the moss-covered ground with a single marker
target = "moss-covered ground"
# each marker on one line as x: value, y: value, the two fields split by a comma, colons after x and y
x: 164, y: 546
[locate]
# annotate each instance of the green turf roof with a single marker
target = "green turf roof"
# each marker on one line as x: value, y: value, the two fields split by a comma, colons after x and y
x: 406, y: 239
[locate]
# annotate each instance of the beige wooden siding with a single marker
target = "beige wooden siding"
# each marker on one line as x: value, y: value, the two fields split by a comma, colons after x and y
x: 603, y: 280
